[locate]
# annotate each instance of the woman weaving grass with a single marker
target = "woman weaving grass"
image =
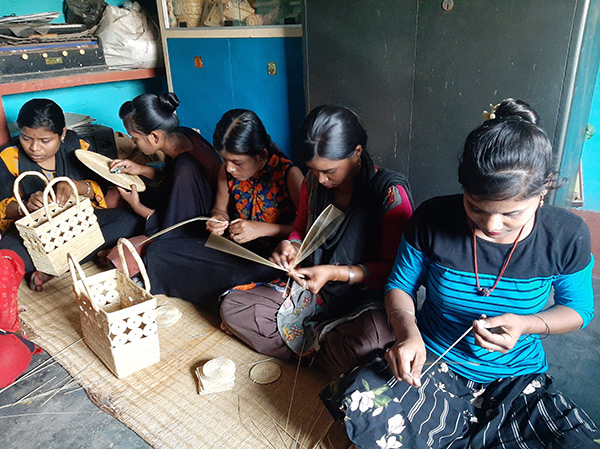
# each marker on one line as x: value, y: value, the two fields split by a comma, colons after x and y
x: 257, y: 196
x: 341, y: 283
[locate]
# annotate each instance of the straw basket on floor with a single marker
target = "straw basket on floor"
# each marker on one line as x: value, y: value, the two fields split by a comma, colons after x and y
x: 53, y: 231
x: 118, y: 318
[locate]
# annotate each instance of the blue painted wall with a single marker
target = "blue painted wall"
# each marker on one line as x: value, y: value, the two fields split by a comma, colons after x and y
x: 101, y: 101
x: 591, y: 158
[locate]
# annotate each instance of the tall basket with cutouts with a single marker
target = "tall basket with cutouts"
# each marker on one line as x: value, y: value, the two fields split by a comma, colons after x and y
x: 53, y: 231
x: 118, y: 317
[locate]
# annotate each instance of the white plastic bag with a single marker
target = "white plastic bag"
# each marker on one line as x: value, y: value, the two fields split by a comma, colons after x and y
x: 128, y: 41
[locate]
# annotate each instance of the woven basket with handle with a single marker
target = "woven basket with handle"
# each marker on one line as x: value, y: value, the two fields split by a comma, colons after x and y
x: 53, y: 231
x: 118, y: 318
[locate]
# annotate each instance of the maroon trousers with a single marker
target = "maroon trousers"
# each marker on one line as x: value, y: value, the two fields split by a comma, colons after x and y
x: 251, y: 315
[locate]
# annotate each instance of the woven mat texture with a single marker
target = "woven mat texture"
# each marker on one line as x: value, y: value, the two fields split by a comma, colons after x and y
x: 161, y: 403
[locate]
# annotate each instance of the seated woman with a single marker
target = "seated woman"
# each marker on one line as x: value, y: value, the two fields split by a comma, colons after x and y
x: 189, y: 179
x: 489, y: 259
x: 257, y: 195
x: 340, y: 289
x: 46, y: 146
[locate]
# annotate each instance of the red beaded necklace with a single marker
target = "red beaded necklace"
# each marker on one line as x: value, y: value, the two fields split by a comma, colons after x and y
x: 487, y: 291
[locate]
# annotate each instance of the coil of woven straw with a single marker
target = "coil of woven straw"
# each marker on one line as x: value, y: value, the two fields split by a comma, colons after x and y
x: 135, y: 334
x: 119, y: 340
x: 168, y: 315
x: 265, y: 373
x: 54, y: 232
x: 218, y: 368
x: 134, y: 322
x: 118, y: 327
x: 150, y: 329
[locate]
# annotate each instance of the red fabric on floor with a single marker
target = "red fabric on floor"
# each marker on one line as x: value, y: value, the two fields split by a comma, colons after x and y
x: 12, y: 270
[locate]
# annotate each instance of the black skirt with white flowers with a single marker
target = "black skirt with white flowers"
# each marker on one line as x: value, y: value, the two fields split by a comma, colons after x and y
x: 449, y: 411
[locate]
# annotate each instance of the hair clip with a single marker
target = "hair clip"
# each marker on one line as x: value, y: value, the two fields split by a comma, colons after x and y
x: 492, y: 114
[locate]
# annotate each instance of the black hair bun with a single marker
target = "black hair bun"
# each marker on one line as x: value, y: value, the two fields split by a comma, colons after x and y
x: 518, y: 109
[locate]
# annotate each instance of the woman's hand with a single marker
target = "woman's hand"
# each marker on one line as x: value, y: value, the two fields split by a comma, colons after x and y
x: 131, y: 197
x: 407, y: 357
x: 499, y: 333
x: 35, y: 201
x: 314, y: 278
x: 218, y: 224
x: 63, y: 192
x: 242, y: 231
x: 285, y: 254
x: 126, y: 166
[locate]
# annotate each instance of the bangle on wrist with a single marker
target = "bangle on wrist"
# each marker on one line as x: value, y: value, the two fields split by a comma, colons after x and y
x: 20, y: 211
x: 89, y: 188
x: 547, y: 330
x: 350, y: 275
x: 150, y: 214
x: 397, y: 311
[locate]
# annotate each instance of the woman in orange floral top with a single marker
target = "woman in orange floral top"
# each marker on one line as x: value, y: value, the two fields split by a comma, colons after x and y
x: 258, y: 192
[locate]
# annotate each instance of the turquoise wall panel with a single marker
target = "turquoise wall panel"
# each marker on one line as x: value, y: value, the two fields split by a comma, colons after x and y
x: 101, y: 101
x: 591, y: 158
x: 278, y: 98
x: 205, y: 93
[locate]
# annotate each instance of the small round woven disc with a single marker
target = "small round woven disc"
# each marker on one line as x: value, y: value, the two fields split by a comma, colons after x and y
x: 265, y: 373
x: 101, y: 165
x: 167, y: 315
x: 218, y: 368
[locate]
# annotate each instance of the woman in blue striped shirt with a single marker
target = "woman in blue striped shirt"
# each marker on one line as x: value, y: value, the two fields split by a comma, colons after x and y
x: 488, y: 259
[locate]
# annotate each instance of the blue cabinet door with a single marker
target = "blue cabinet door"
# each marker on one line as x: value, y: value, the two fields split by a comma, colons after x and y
x: 206, y: 92
x: 235, y: 74
x: 268, y: 78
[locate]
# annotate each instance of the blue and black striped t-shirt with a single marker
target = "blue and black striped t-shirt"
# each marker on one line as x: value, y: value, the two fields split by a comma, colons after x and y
x: 437, y: 252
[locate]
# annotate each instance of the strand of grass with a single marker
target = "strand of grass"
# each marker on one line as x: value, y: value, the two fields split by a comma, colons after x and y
x: 200, y: 335
x: 263, y: 435
x: 275, y: 421
x: 40, y: 366
x: 256, y: 363
x: 89, y: 384
x: 287, y: 420
x: 33, y: 391
x: 73, y: 379
x: 32, y: 398
x: 297, y: 439
x: 280, y: 435
x: 50, y: 413
x: 315, y: 423
x: 448, y: 350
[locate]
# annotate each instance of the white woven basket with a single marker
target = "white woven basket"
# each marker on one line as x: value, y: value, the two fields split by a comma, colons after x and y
x: 53, y: 231
x: 118, y: 318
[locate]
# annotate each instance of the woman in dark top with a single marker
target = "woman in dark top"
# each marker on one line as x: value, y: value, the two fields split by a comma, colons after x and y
x: 188, y: 182
x: 46, y: 146
x: 336, y: 302
x: 489, y: 259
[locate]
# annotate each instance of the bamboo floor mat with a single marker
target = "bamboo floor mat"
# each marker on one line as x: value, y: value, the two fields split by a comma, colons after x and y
x: 161, y: 403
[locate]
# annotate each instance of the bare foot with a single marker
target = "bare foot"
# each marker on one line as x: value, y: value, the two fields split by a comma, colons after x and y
x: 37, y: 280
x: 22, y: 309
x: 225, y: 329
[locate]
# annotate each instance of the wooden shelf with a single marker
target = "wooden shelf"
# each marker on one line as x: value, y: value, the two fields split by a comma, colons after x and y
x: 60, y: 82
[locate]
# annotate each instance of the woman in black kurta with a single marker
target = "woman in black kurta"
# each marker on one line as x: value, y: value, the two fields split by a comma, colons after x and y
x: 186, y: 186
x: 46, y: 146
